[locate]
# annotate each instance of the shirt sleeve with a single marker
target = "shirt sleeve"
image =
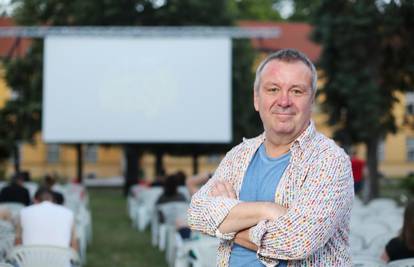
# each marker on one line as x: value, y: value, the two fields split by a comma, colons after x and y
x: 206, y: 213
x: 317, y: 212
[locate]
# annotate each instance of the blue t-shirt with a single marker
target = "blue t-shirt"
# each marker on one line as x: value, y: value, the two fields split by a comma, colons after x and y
x: 259, y: 185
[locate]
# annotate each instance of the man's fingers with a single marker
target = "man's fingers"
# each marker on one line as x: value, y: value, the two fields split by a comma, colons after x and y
x: 230, y: 190
x: 222, y: 189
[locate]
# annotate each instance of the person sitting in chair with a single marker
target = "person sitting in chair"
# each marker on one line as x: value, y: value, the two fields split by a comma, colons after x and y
x: 46, y: 223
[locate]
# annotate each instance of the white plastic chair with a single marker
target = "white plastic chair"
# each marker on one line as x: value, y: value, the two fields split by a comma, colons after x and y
x: 171, y: 211
x: 370, y: 230
x: 32, y: 187
x: 366, y: 261
x: 376, y: 247
x: 146, y: 206
x: 6, y: 227
x: 13, y: 207
x: 356, y: 243
x: 402, y: 263
x: 184, y: 191
x: 382, y: 205
x: 44, y: 256
x: 205, y: 253
x: 6, y: 244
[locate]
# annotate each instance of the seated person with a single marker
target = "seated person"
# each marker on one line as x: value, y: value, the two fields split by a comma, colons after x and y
x: 402, y: 246
x: 181, y: 178
x: 46, y: 223
x: 15, y: 191
x: 49, y: 182
x: 170, y: 193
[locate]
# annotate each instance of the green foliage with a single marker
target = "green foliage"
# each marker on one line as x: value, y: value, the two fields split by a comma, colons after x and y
x: 366, y: 58
x: 408, y: 183
x: 256, y: 10
x: 246, y: 121
x: 20, y: 119
x: 303, y: 10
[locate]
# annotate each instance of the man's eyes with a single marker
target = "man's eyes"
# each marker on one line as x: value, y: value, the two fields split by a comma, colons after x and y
x: 297, y: 91
x: 273, y: 89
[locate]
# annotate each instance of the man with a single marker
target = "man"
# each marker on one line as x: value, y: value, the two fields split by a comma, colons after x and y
x: 15, y: 191
x: 46, y: 223
x: 285, y: 196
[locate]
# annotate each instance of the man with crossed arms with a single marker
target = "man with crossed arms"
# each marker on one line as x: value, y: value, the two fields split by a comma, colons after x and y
x: 283, y: 198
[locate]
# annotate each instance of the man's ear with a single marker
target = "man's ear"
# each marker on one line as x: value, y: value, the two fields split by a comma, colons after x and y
x: 255, y: 99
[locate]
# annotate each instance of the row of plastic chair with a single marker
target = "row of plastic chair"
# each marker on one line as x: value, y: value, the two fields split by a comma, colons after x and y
x: 43, y: 256
x: 367, y: 261
x: 141, y: 204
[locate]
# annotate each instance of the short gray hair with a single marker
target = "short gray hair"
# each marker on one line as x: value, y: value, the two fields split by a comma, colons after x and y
x: 287, y: 55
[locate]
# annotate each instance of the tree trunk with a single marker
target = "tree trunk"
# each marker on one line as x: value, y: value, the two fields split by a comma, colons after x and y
x: 131, y: 168
x: 159, y: 164
x: 371, y: 184
x: 16, y: 158
x: 79, y: 162
x: 195, y: 163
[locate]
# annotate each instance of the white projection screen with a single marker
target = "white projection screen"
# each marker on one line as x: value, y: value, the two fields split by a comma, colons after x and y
x: 137, y: 90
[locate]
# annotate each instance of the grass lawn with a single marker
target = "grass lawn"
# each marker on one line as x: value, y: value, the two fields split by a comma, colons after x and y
x: 115, y: 243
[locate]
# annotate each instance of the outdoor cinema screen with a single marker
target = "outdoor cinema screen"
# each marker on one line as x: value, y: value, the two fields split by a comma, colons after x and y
x: 137, y: 90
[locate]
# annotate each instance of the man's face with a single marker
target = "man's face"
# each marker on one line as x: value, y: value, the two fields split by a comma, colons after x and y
x: 284, y: 98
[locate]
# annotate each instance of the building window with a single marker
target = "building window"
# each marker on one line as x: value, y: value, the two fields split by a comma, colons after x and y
x: 410, y: 149
x: 53, y: 153
x: 91, y: 153
x: 409, y: 103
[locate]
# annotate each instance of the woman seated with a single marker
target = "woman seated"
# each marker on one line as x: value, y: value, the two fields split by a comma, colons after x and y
x: 402, y: 246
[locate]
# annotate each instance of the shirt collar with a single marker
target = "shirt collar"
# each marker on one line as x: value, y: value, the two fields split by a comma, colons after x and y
x: 304, y: 139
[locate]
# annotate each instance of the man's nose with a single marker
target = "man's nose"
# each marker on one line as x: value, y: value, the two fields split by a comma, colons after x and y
x: 283, y: 99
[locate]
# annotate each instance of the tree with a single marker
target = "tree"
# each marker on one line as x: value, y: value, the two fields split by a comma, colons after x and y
x: 256, y: 10
x: 21, y: 117
x: 366, y: 59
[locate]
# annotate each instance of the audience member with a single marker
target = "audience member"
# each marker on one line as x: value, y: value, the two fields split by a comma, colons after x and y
x: 181, y: 178
x: 358, y: 167
x: 402, y: 246
x: 15, y: 191
x: 49, y: 182
x: 170, y: 193
x: 46, y: 223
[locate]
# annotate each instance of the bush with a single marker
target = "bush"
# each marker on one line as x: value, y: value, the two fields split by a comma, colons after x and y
x: 408, y: 183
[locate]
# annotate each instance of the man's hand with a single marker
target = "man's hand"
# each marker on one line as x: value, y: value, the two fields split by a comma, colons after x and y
x: 272, y: 211
x: 223, y: 189
x: 242, y: 239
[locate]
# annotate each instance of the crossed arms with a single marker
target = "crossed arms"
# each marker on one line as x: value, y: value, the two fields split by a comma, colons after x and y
x: 316, y: 210
x: 244, y: 215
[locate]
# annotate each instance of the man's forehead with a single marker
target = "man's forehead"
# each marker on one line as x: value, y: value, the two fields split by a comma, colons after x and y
x: 276, y: 64
x: 275, y: 67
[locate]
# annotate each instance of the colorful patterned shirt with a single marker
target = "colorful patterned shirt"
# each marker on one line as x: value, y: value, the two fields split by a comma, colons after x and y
x: 317, y: 190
